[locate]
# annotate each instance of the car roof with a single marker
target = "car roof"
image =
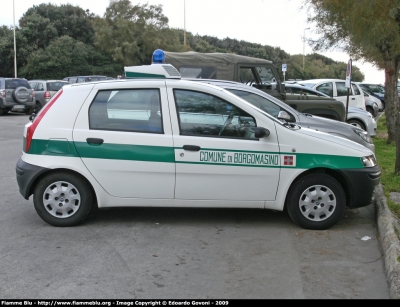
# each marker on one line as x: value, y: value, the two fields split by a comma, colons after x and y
x: 47, y: 80
x: 315, y: 81
x: 86, y: 76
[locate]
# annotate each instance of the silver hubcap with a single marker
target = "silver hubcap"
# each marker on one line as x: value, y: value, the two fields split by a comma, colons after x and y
x: 61, y: 199
x: 317, y: 203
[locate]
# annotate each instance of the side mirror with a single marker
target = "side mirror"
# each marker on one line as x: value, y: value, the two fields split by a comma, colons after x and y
x: 284, y: 115
x: 261, y: 132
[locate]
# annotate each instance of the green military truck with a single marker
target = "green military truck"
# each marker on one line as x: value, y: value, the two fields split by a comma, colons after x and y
x: 255, y: 72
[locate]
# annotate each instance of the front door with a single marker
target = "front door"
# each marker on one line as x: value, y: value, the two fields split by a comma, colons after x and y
x: 217, y: 155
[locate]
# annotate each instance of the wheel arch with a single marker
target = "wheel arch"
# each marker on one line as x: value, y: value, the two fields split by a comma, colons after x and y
x: 336, y: 174
x: 358, y: 120
x: 64, y: 171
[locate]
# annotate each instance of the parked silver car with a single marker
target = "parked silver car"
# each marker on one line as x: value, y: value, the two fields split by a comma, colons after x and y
x: 44, y: 90
x: 372, y: 104
x: 355, y: 116
x: 16, y: 95
x: 274, y: 107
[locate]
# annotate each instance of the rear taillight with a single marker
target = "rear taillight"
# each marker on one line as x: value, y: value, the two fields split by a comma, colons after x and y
x: 31, y: 129
x: 47, y: 95
x: 33, y: 93
x: 3, y: 93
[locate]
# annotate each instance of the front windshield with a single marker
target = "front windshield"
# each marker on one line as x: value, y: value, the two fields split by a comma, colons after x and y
x: 258, y: 101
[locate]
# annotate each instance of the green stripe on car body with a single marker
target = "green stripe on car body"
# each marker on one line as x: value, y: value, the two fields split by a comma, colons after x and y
x: 167, y: 154
x: 135, y: 75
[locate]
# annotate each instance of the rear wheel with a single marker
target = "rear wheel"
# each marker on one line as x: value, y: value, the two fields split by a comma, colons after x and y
x: 316, y: 201
x: 38, y: 106
x: 63, y: 199
x: 29, y: 111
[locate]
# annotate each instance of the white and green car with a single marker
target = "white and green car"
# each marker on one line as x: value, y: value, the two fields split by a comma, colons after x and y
x: 167, y: 142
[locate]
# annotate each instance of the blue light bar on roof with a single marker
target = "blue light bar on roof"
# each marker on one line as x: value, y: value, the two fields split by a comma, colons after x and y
x: 158, y: 57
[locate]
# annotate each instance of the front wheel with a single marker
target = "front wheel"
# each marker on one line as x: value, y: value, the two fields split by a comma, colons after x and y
x: 63, y: 199
x: 357, y: 123
x: 316, y: 201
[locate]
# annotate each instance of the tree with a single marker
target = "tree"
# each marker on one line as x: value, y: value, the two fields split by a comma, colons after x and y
x: 130, y: 34
x: 7, y: 50
x: 45, y: 22
x: 67, y: 57
x: 367, y: 30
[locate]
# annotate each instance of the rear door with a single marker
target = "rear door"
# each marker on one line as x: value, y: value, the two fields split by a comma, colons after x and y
x: 123, y: 135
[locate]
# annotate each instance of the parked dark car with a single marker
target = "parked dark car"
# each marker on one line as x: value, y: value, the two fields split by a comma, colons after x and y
x: 44, y: 90
x: 79, y: 79
x: 16, y: 95
x: 376, y: 90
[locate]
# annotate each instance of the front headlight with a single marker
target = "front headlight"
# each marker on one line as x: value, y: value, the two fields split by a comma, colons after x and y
x: 364, y: 135
x: 369, y: 161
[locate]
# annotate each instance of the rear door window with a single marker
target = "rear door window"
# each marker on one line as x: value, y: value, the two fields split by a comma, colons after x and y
x: 341, y: 89
x: 33, y: 85
x: 326, y: 88
x: 355, y: 89
x: 136, y: 110
x: 39, y: 86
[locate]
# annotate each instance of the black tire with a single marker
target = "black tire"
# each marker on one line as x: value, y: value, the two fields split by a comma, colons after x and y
x: 371, y: 111
x: 4, y: 111
x: 29, y: 111
x: 316, y: 201
x: 38, y: 106
x: 357, y: 123
x: 63, y: 199
x: 21, y: 94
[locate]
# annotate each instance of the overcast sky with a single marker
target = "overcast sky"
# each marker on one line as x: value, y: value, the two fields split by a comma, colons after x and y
x: 277, y: 23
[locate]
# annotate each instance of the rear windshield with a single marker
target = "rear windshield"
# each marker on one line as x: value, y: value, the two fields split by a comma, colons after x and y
x: 14, y: 83
x: 55, y: 86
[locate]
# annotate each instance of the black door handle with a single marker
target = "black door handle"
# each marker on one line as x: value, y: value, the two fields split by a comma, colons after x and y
x: 191, y: 147
x: 95, y: 141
